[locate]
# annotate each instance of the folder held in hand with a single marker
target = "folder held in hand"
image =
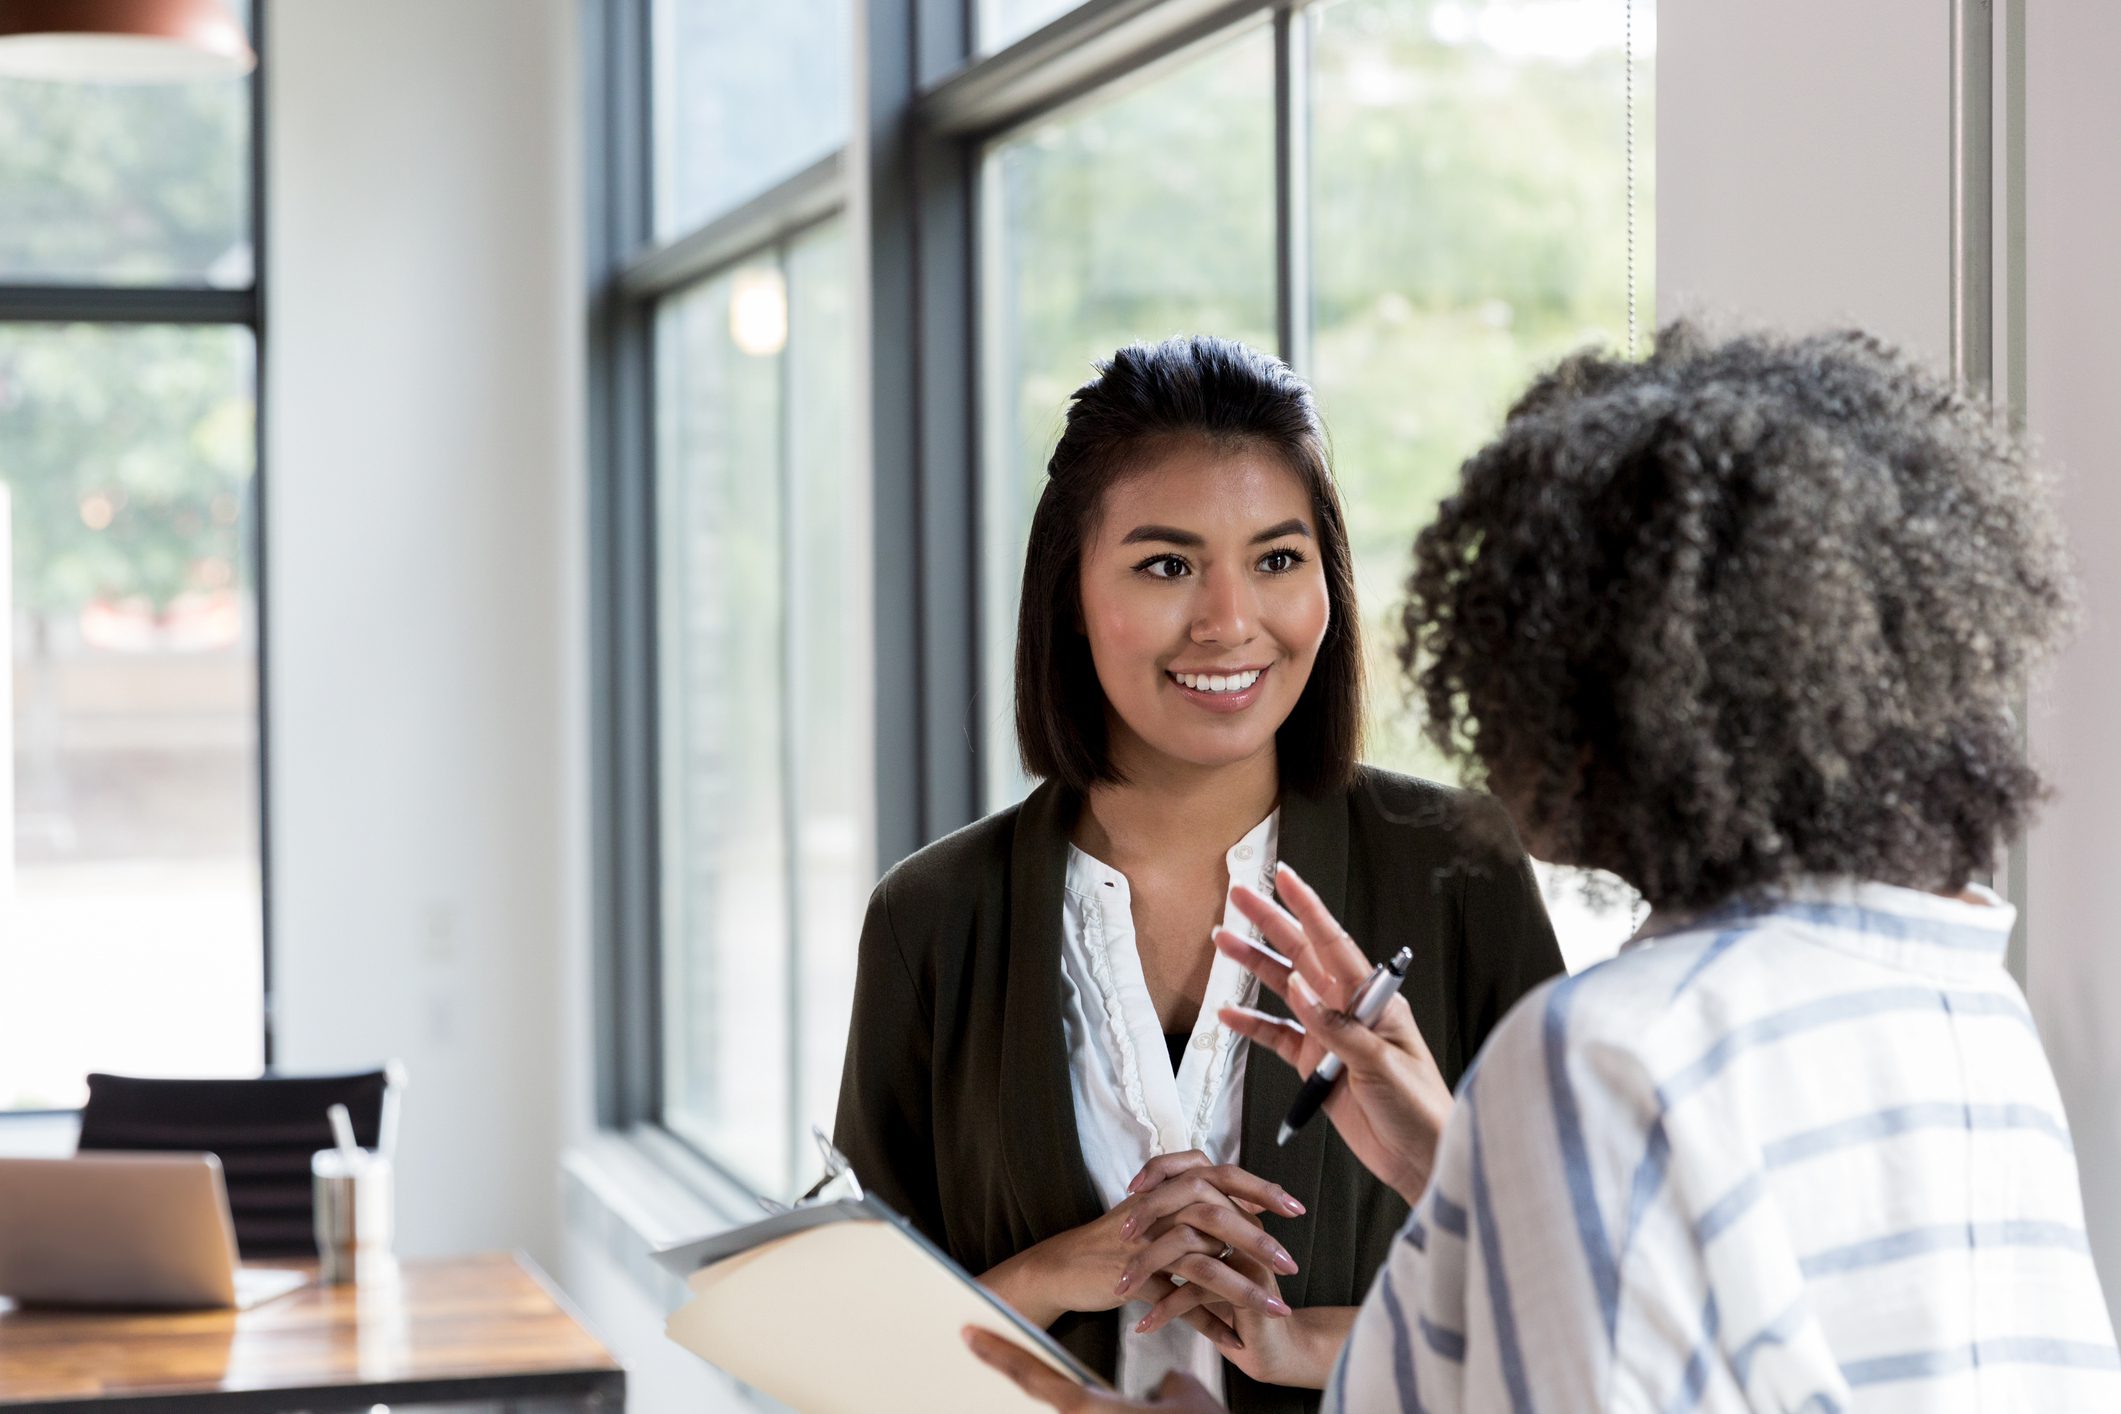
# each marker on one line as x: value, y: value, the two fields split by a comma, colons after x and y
x: 842, y: 1308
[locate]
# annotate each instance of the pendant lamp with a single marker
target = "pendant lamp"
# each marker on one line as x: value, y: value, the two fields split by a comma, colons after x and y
x: 122, y: 41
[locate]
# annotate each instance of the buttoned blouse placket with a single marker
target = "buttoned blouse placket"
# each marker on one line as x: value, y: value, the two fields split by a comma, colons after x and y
x: 1129, y: 1106
x: 1250, y: 861
x: 1228, y: 983
x: 1104, y: 968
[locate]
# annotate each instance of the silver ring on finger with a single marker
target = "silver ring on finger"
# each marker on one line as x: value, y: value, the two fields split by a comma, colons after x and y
x: 1224, y: 1255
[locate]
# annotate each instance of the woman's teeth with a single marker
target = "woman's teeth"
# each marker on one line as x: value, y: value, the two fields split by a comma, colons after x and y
x: 1214, y: 682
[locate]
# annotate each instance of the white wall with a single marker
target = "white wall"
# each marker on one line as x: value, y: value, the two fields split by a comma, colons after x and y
x: 1803, y: 179
x: 426, y: 582
x: 2073, y: 346
x: 1803, y: 164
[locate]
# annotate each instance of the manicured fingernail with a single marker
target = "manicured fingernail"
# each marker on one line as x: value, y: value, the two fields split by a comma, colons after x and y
x: 1124, y: 1282
x: 1229, y: 1340
x: 1284, y: 1263
x: 1290, y: 1206
x: 964, y: 1333
x: 1141, y: 1327
x: 1126, y: 1229
x: 1278, y: 1306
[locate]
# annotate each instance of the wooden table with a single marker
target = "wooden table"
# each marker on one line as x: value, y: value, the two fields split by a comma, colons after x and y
x: 485, y: 1328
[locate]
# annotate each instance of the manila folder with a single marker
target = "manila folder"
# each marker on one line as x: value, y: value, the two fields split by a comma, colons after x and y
x: 849, y: 1313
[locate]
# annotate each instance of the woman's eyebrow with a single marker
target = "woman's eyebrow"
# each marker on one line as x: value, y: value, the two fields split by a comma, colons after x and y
x: 1292, y: 526
x: 1172, y: 535
x: 1169, y: 535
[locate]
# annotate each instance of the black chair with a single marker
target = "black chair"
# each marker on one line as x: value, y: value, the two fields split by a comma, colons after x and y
x: 263, y: 1130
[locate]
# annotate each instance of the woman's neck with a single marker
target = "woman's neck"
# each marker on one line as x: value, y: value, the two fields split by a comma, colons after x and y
x: 1169, y: 806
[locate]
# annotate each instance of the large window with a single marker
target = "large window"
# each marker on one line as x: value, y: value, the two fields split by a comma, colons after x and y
x: 1468, y: 214
x: 1140, y: 213
x: 131, y: 923
x: 1469, y: 225
x: 765, y: 860
x: 824, y: 414
x: 737, y: 517
x: 1467, y: 222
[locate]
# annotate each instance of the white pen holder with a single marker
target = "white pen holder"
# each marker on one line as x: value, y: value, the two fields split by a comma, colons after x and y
x: 354, y: 1215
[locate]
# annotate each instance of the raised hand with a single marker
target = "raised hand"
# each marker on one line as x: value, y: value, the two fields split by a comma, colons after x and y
x: 1391, y: 1105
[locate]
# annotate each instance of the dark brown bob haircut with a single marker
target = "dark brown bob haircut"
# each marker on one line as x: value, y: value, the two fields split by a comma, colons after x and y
x: 1144, y: 398
x: 1750, y: 609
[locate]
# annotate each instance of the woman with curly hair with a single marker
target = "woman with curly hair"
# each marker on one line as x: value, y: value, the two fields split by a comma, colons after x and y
x: 1743, y: 623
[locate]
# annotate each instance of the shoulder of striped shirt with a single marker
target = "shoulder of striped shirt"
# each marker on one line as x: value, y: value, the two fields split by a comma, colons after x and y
x: 1620, y: 1024
x: 1623, y: 1001
x: 1616, y: 1026
x: 1634, y: 1019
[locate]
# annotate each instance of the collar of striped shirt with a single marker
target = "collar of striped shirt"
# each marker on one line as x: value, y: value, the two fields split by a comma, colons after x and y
x: 1960, y: 936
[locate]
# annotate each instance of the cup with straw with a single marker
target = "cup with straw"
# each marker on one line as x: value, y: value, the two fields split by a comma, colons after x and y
x: 352, y: 1188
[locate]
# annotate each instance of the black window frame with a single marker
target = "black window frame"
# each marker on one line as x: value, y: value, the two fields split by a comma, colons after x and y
x: 630, y: 273
x: 910, y: 172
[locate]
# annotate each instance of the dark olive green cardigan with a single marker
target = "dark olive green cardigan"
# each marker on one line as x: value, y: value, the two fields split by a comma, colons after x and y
x: 956, y: 1107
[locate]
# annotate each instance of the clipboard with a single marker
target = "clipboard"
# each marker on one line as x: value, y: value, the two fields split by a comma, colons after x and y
x: 839, y: 1306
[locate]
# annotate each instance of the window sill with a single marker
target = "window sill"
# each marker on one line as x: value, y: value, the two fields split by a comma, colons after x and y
x: 629, y: 1192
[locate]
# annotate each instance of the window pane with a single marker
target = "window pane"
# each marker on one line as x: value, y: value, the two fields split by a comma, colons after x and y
x: 1148, y: 214
x: 765, y: 608
x: 1469, y: 227
x: 829, y: 606
x: 724, y: 835
x: 746, y: 95
x: 1003, y: 22
x: 130, y: 918
x: 125, y: 184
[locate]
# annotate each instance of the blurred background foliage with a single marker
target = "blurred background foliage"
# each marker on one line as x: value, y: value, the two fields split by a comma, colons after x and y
x: 1469, y: 225
x: 1468, y: 228
x: 126, y: 450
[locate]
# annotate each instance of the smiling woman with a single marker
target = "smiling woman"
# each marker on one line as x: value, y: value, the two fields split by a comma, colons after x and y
x: 1036, y: 1005
x: 1189, y: 525
x: 1179, y: 613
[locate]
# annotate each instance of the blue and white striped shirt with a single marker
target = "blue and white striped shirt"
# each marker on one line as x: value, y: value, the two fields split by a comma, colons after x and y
x: 1802, y: 1156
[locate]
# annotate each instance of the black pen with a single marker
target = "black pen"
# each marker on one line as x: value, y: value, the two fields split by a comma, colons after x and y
x: 1369, y: 1005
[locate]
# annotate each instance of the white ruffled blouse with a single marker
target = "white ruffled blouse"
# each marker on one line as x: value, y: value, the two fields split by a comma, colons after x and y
x: 1129, y: 1107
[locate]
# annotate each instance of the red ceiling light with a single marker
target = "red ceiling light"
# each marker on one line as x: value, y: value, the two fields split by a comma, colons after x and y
x: 122, y: 41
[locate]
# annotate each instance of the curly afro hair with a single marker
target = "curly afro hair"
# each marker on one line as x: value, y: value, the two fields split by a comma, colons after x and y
x: 1744, y: 611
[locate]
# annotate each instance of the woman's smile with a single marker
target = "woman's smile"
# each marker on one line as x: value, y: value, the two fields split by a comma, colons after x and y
x: 1231, y: 690
x: 1204, y: 599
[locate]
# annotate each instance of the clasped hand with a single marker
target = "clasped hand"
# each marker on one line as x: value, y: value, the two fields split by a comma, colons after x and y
x: 1184, y: 1225
x: 1273, y: 1344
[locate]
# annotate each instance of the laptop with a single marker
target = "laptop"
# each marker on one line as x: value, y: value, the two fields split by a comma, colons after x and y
x: 129, y: 1230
